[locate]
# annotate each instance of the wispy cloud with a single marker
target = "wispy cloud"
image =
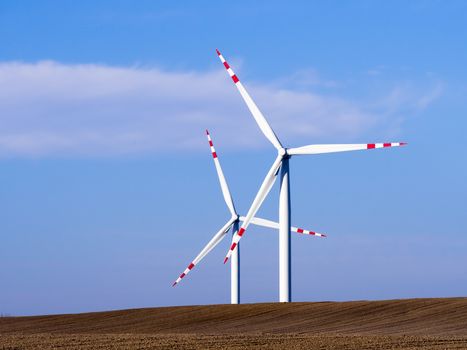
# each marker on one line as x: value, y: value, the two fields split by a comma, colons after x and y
x: 48, y: 108
x: 406, y: 97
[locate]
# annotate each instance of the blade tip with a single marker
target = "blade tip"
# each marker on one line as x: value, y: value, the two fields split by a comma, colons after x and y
x: 225, y: 260
x: 174, y: 284
x: 218, y: 52
x: 403, y: 143
x: 207, y: 132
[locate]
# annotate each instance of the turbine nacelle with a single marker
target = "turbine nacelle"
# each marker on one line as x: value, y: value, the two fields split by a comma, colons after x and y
x: 282, y: 152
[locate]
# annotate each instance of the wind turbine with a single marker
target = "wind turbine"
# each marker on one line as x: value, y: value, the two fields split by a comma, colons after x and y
x: 282, y: 164
x: 233, y: 223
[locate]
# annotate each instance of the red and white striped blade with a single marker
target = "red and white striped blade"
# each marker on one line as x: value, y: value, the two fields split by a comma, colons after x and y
x: 307, y: 232
x: 210, y: 246
x: 220, y: 174
x: 260, y: 196
x: 318, y: 149
x: 275, y: 225
x: 259, y: 117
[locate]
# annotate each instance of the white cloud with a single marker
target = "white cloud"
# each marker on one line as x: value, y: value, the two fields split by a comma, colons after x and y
x: 48, y: 108
x: 408, y: 98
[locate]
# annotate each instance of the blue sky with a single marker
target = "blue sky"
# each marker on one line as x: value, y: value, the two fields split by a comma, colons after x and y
x: 108, y: 187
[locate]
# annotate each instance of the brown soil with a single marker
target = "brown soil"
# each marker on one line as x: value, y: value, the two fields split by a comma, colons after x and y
x: 394, y: 324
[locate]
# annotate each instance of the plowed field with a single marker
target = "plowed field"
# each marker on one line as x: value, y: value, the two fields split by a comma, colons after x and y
x: 393, y: 324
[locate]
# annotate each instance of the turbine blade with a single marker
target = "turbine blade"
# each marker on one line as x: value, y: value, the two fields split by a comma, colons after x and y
x: 260, y: 196
x: 318, y: 149
x: 259, y: 117
x: 307, y: 232
x: 220, y: 174
x: 262, y: 222
x: 275, y: 225
x: 207, y: 248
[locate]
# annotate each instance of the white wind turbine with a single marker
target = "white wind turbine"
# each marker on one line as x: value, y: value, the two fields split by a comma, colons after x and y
x: 282, y: 163
x: 233, y: 223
